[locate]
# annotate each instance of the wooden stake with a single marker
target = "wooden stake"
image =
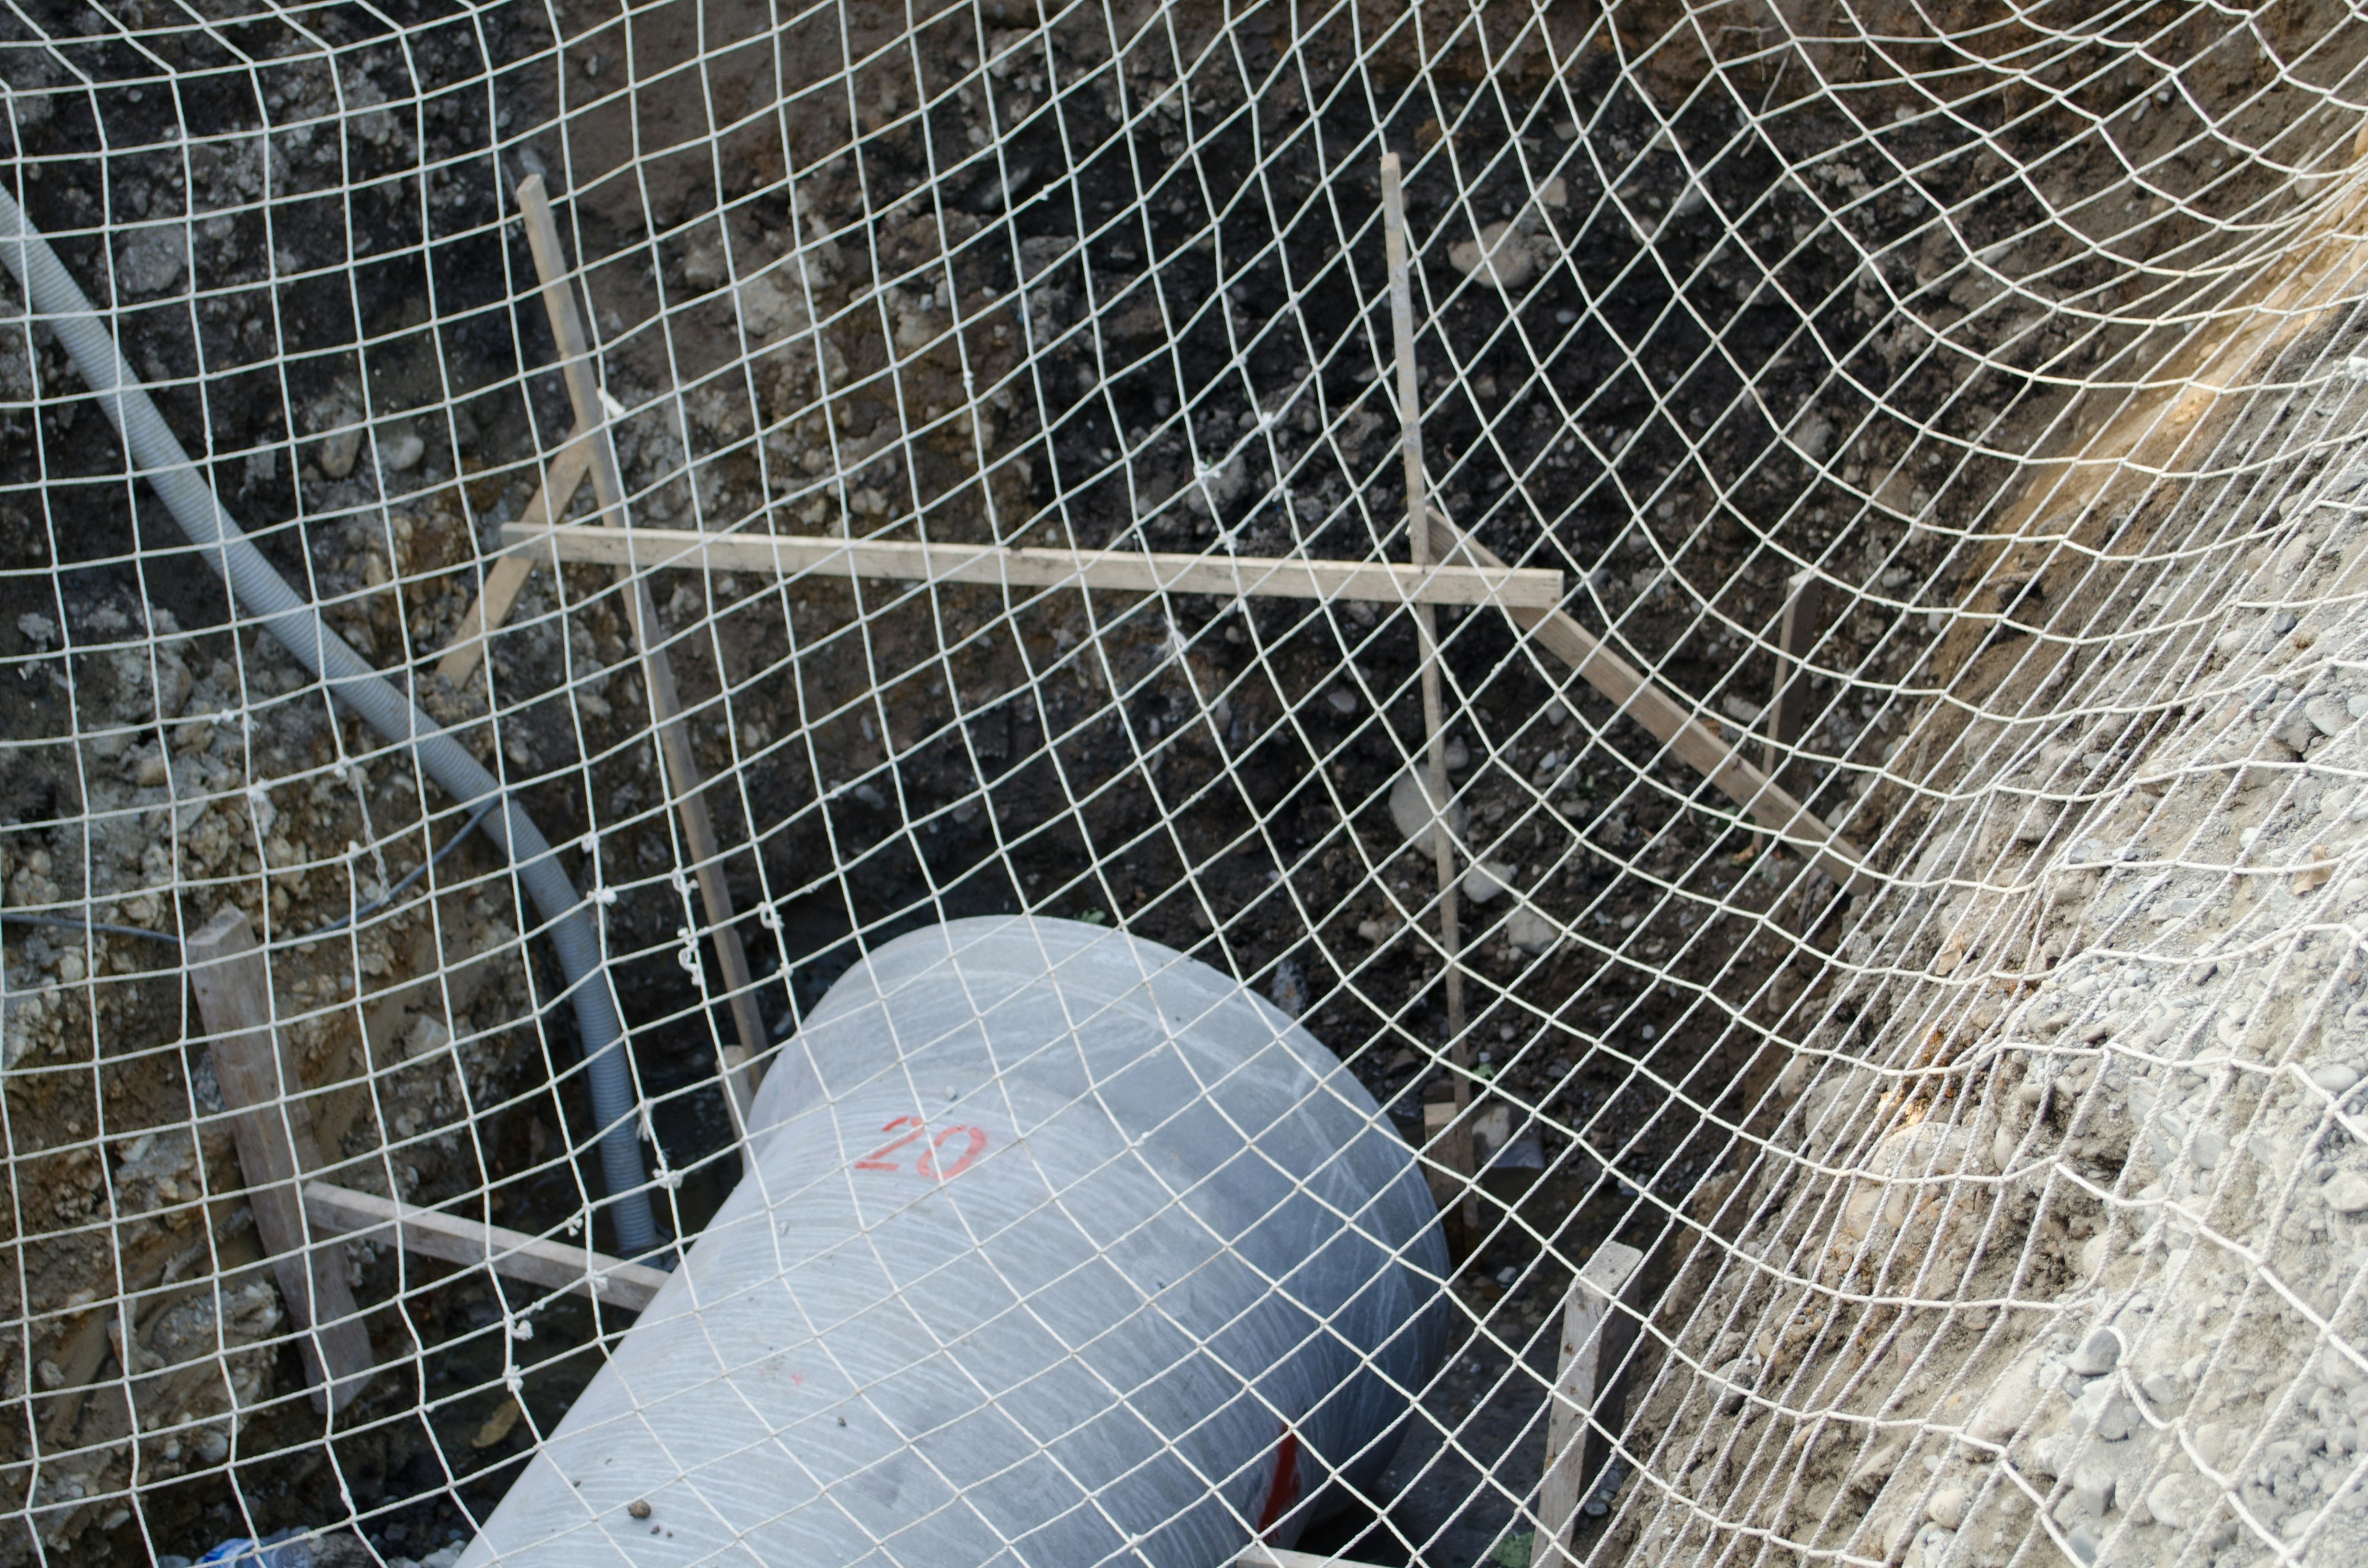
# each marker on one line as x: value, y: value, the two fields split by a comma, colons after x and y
x: 509, y: 573
x: 1442, y: 841
x: 683, y: 779
x: 272, y: 1128
x: 1109, y: 571
x: 1598, y: 1324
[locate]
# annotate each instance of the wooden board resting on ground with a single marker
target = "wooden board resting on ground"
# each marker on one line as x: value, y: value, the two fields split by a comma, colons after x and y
x: 1110, y: 571
x: 271, y: 1127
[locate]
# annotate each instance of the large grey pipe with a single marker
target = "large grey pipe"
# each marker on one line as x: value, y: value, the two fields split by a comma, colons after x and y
x: 1056, y: 1248
x: 259, y: 590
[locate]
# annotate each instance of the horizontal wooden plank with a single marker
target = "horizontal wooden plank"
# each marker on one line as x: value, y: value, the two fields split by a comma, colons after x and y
x: 1111, y: 570
x: 434, y: 1234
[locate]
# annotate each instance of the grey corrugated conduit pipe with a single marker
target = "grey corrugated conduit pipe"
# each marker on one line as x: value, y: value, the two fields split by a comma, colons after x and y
x: 259, y: 591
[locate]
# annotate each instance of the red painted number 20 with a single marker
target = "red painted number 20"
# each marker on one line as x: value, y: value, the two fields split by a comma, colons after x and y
x: 927, y: 1163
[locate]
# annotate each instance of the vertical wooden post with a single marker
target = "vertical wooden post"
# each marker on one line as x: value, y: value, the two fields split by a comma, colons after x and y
x: 272, y: 1127
x: 1442, y: 845
x: 683, y: 779
x: 1598, y: 1324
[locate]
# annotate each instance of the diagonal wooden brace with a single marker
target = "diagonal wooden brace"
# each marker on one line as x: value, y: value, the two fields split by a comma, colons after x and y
x: 508, y: 574
x: 1674, y: 724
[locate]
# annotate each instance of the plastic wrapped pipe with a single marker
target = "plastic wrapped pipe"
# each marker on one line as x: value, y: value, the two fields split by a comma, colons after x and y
x: 1057, y: 1247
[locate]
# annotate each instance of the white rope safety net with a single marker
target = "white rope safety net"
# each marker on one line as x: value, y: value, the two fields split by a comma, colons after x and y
x: 1756, y: 615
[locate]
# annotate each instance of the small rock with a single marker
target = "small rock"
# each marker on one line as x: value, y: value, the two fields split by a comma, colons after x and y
x: 2328, y: 714
x: 2209, y: 1147
x: 2179, y: 1500
x: 1487, y: 881
x: 1289, y: 991
x: 336, y: 454
x: 2098, y: 1353
x: 1529, y: 931
x: 1458, y: 756
x: 1736, y: 1376
x: 401, y: 451
x: 639, y: 1507
x: 1214, y: 489
x: 1931, y: 1549
x: 1947, y: 1509
x: 152, y: 260
x: 1414, y: 811
x: 2334, y: 1077
x: 1908, y: 1166
x: 2286, y: 620
x: 2093, y: 1489
x: 1373, y: 931
x: 427, y: 1037
x: 2347, y: 1193
x: 1501, y: 258
x: 2215, y: 1444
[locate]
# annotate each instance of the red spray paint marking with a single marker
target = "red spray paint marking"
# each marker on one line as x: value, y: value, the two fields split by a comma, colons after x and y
x: 927, y: 1165
x: 1284, y: 1490
x: 877, y: 1159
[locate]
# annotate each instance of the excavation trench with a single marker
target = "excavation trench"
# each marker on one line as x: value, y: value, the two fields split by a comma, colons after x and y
x: 1690, y: 330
